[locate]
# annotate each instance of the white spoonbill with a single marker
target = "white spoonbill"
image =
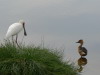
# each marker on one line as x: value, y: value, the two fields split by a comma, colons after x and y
x: 14, y: 29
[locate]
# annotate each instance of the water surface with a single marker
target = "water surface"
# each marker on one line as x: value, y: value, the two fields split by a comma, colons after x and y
x: 89, y: 65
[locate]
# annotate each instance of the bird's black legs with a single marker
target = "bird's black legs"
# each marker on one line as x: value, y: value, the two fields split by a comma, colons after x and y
x: 12, y: 41
x: 16, y: 41
x: 16, y: 38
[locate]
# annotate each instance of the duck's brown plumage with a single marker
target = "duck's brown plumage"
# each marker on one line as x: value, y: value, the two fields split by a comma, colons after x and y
x: 82, y: 50
x: 81, y: 62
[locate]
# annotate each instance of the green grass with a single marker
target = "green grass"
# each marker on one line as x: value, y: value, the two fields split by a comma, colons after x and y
x: 32, y: 61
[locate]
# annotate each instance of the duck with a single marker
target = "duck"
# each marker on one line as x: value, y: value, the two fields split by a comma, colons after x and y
x: 82, y: 50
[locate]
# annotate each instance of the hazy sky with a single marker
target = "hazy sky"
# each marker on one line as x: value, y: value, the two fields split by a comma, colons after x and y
x: 61, y: 22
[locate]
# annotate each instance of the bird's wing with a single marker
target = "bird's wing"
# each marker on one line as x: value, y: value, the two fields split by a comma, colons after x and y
x: 84, y: 49
x: 14, y: 29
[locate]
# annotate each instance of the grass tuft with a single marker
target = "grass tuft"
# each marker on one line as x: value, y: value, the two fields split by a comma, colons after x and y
x: 32, y: 61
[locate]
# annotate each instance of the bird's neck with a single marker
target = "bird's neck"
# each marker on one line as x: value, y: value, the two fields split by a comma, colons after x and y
x: 81, y: 44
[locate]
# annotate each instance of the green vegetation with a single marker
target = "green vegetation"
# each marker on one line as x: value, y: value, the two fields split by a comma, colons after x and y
x: 32, y: 61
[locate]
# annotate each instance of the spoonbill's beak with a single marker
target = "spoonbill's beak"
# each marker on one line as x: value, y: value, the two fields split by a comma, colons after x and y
x: 24, y: 30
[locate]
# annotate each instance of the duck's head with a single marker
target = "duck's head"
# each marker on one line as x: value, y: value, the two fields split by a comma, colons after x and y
x: 80, y: 41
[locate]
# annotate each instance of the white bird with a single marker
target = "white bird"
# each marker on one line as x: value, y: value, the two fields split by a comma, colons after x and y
x: 14, y: 29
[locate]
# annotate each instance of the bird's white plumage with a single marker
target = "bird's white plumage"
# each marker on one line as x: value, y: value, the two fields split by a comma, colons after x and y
x: 14, y: 29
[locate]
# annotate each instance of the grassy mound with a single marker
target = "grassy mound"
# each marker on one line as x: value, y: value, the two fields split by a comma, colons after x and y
x: 32, y: 61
